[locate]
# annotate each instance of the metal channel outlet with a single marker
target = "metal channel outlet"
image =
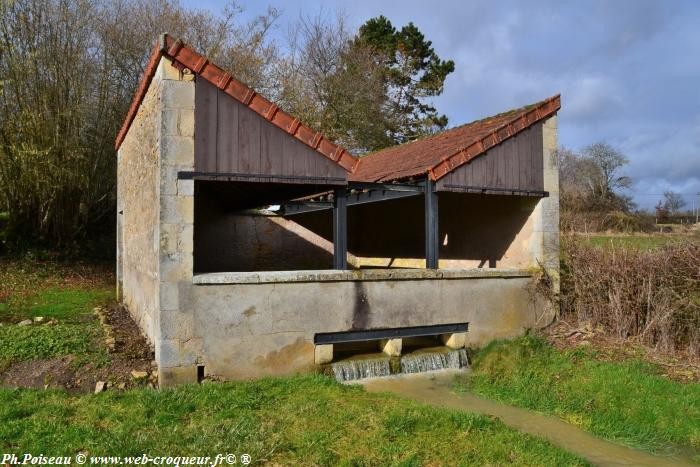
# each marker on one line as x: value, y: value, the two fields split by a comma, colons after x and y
x: 393, y: 333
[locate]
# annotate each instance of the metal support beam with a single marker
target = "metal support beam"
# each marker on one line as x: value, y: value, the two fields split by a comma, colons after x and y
x: 340, y: 229
x: 432, y: 241
x: 394, y: 333
x: 417, y: 187
x: 255, y: 177
x: 373, y: 196
x: 494, y: 191
x: 299, y: 207
x: 353, y: 199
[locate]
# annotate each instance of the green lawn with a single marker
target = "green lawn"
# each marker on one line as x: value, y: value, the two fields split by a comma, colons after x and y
x: 69, y: 326
x: 308, y: 420
x: 626, y: 402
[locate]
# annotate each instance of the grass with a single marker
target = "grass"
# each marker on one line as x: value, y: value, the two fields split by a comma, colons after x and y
x: 65, y: 301
x: 306, y: 419
x: 309, y: 420
x: 626, y: 402
x: 642, y: 242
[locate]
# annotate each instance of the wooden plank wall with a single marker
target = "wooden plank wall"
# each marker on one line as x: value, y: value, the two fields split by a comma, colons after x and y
x: 514, y: 164
x: 231, y: 138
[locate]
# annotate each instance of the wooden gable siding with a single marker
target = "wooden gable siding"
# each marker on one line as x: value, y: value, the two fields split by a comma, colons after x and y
x: 230, y: 138
x: 515, y: 164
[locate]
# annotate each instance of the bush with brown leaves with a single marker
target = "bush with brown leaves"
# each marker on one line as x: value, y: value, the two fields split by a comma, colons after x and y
x: 649, y: 295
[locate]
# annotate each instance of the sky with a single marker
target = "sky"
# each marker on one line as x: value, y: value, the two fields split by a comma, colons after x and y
x: 628, y: 70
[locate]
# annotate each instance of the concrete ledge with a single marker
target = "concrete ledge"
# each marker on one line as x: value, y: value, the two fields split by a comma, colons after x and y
x: 334, y: 275
x: 391, y: 347
x: 323, y: 354
x: 457, y: 340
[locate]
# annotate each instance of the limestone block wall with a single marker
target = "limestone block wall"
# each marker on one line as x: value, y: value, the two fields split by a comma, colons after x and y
x: 254, y: 330
x: 249, y: 241
x: 155, y: 218
x: 544, y: 242
x: 177, y: 349
x: 138, y: 172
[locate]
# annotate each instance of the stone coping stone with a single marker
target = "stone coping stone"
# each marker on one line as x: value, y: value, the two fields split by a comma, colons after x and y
x: 335, y: 275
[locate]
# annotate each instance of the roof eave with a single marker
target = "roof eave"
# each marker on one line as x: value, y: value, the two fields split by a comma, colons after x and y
x: 141, y: 90
x: 543, y: 110
x: 184, y: 56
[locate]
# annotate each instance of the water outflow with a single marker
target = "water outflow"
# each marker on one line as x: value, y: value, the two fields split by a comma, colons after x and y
x: 431, y: 361
x: 418, y: 362
x: 350, y: 370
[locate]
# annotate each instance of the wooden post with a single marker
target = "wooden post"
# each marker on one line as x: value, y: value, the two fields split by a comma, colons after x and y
x: 432, y: 242
x: 340, y: 229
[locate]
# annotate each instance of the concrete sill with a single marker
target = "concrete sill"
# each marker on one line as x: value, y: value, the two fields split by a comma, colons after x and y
x: 334, y: 275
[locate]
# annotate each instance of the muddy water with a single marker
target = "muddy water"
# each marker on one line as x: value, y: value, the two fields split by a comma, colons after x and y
x: 434, y: 389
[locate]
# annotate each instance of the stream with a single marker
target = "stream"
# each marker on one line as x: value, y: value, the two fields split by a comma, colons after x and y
x: 434, y: 388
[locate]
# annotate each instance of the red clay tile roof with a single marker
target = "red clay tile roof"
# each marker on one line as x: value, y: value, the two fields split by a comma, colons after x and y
x: 434, y: 156
x: 184, y: 56
x: 439, y: 154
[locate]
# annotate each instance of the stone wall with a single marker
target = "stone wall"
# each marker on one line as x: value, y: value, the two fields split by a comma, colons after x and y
x: 178, y: 348
x: 138, y: 194
x: 227, y: 240
x: 260, y: 329
x: 155, y: 227
x: 545, y: 243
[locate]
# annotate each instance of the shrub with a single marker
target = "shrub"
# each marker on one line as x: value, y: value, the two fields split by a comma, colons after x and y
x: 653, y: 295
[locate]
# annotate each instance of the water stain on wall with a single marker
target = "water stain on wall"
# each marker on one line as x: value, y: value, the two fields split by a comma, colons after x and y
x: 362, y: 309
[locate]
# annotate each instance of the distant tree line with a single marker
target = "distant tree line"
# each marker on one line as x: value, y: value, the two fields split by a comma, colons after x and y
x: 69, y: 68
x: 591, y: 188
x: 592, y: 196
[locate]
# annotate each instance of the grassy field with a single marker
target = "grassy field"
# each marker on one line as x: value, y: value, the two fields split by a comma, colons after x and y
x: 312, y: 419
x: 63, y: 302
x: 638, y: 241
x: 309, y: 420
x: 626, y: 402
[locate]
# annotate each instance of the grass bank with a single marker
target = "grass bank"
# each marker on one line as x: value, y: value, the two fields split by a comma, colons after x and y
x: 308, y: 420
x: 626, y: 402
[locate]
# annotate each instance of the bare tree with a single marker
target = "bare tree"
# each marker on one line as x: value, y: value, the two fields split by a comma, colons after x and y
x: 673, y: 202
x: 68, y: 70
x: 335, y: 88
x: 606, y: 179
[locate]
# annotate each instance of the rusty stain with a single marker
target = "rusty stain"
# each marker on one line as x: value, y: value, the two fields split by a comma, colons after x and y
x: 280, y: 361
x: 250, y: 311
x: 362, y: 309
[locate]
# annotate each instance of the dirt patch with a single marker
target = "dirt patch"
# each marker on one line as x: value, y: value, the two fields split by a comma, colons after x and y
x: 130, y: 352
x: 51, y: 372
x: 679, y: 366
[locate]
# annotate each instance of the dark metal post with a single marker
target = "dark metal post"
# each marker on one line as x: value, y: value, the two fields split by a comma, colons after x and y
x: 432, y: 241
x: 340, y: 229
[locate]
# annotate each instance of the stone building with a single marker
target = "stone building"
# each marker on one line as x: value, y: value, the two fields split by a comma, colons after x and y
x: 250, y: 245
